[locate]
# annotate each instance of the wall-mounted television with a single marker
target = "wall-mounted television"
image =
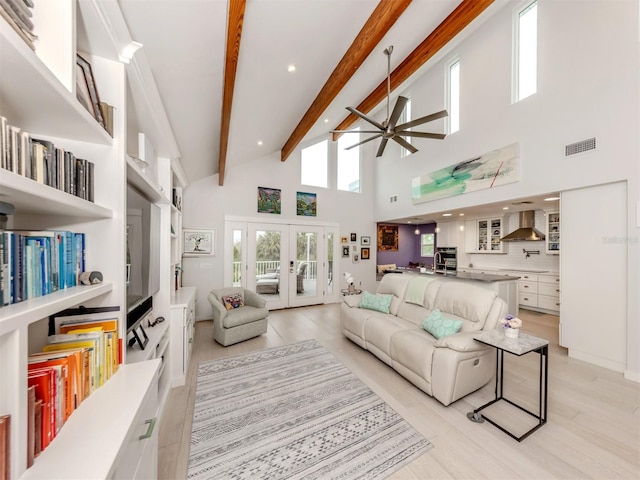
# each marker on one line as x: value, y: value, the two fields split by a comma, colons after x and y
x: 143, y: 249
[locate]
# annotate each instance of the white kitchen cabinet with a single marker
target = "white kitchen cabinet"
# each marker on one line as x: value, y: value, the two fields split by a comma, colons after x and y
x: 552, y: 240
x: 182, y: 328
x: 450, y: 234
x: 483, y: 236
x: 549, y: 292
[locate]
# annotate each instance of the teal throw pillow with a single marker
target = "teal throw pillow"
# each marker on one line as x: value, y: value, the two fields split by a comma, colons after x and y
x: 380, y: 303
x: 440, y: 326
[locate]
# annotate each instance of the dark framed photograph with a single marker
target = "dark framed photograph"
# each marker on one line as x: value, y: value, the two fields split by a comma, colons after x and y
x: 354, y: 237
x: 346, y: 251
x: 91, y: 89
x: 365, y: 241
x: 364, y: 253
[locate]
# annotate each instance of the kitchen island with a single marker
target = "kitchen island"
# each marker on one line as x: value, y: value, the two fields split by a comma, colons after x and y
x: 506, y: 286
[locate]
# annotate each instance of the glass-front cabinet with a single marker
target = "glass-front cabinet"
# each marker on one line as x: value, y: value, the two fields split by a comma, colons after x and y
x: 488, y: 235
x: 553, y: 233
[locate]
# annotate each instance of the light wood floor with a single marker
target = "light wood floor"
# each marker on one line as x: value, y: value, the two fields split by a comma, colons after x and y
x: 593, y: 428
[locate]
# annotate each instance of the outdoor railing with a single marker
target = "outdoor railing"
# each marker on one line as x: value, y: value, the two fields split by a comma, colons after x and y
x: 268, y: 266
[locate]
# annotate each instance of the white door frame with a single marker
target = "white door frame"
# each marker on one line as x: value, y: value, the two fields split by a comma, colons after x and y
x: 330, y: 295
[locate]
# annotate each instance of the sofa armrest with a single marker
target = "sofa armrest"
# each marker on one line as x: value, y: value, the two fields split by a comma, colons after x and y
x: 461, y: 342
x: 352, y: 301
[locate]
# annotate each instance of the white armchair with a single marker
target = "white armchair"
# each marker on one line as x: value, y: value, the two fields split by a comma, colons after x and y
x: 232, y: 325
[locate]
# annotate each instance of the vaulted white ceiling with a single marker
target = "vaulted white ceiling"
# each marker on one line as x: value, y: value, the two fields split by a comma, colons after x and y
x: 184, y: 43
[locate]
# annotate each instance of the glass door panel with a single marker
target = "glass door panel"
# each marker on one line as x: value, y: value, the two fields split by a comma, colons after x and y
x: 267, y: 253
x: 306, y: 272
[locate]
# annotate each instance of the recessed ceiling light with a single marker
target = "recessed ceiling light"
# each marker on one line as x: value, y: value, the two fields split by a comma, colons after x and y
x: 291, y: 68
x: 259, y: 142
x: 447, y: 214
x: 461, y: 214
x: 551, y: 199
x: 505, y: 208
x: 326, y: 120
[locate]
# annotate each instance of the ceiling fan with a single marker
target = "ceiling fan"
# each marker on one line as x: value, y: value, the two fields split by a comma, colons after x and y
x: 388, y: 129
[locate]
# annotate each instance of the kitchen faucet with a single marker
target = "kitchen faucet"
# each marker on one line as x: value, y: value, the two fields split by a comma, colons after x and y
x: 435, y: 260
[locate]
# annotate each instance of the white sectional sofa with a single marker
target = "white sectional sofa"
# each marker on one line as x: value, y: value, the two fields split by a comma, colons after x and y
x: 447, y: 368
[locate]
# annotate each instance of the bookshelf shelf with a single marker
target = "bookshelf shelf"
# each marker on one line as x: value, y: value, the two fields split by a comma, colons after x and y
x: 39, y: 104
x: 14, y: 316
x: 31, y: 197
x: 138, y: 180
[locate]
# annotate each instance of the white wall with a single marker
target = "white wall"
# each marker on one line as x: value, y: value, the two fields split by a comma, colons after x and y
x: 588, y: 86
x: 206, y: 204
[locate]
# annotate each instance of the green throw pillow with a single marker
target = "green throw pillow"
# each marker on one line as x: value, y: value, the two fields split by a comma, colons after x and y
x: 440, y: 326
x: 380, y: 303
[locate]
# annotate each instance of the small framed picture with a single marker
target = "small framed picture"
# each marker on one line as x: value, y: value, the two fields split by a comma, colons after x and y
x: 198, y: 242
x: 356, y: 258
x: 365, y: 241
x: 345, y: 251
x: 354, y: 237
x: 364, y: 253
x: 344, y: 239
x: 91, y: 89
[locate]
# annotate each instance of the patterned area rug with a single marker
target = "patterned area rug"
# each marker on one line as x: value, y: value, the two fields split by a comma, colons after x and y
x: 294, y: 412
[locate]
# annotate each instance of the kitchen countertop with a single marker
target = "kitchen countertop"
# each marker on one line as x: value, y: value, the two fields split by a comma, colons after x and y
x: 479, y: 277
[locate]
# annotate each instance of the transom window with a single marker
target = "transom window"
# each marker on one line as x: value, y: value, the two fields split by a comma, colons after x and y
x: 525, y: 51
x: 453, y: 99
x: 313, y: 164
x: 348, y: 163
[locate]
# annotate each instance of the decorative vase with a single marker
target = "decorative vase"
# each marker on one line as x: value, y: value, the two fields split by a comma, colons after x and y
x: 511, y: 332
x: 351, y: 288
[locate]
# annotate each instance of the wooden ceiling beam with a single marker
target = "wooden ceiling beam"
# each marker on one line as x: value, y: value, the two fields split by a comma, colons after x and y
x: 463, y: 15
x: 235, y: 19
x: 378, y: 24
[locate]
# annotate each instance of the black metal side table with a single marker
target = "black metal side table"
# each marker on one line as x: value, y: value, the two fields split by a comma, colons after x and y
x: 516, y: 346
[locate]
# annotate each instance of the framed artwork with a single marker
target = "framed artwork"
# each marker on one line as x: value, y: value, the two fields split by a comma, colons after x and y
x: 354, y: 237
x: 89, y: 88
x: 355, y: 258
x: 364, y: 253
x: 269, y: 200
x: 306, y: 204
x: 345, y: 251
x: 387, y: 238
x: 344, y: 239
x: 365, y: 241
x: 198, y: 242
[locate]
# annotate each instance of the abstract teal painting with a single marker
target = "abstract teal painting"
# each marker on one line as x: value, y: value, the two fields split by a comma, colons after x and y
x: 498, y: 167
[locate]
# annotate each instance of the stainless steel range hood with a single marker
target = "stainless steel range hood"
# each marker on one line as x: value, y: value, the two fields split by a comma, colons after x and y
x: 526, y: 231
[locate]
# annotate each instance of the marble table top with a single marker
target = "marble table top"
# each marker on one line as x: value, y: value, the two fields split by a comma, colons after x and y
x: 525, y: 343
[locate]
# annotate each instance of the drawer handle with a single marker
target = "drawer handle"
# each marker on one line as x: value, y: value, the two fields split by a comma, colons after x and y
x: 526, y: 286
x: 152, y: 423
x: 526, y: 298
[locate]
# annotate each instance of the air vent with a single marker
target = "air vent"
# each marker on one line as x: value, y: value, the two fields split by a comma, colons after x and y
x: 579, y: 147
x: 393, y: 198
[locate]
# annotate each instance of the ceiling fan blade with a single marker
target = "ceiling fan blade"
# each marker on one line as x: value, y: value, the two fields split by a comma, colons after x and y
x: 364, y: 117
x: 421, y: 120
x: 364, y: 141
x: 355, y: 131
x: 401, y: 102
x: 383, y: 144
x: 404, y: 143
x: 437, y: 136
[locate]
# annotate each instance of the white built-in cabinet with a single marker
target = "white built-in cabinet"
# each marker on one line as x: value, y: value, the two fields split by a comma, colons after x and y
x: 183, y: 315
x: 112, y: 434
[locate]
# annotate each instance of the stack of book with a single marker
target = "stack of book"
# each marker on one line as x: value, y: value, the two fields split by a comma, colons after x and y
x: 77, y: 360
x: 44, y: 162
x: 18, y: 14
x: 37, y: 263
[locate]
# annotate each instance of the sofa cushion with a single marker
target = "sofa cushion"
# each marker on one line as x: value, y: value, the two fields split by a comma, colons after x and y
x: 232, y: 301
x: 380, y: 303
x: 439, y: 325
x: 413, y: 348
x: 379, y: 329
x: 465, y: 301
x: 413, y: 313
x: 396, y: 285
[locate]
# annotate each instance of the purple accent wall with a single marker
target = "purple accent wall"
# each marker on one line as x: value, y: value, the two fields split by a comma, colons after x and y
x: 408, y: 247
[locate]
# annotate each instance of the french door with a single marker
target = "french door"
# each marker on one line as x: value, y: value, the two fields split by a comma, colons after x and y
x: 287, y: 265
